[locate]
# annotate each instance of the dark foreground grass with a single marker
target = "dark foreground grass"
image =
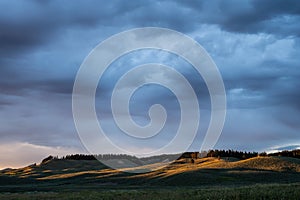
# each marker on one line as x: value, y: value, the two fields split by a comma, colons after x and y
x: 269, y: 191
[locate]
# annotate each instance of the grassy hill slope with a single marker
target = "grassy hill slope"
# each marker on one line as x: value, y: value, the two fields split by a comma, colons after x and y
x: 69, y: 174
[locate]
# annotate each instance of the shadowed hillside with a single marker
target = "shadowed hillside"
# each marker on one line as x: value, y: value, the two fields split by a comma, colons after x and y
x: 60, y: 174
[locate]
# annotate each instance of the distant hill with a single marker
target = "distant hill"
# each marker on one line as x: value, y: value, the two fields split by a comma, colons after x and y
x: 70, y: 173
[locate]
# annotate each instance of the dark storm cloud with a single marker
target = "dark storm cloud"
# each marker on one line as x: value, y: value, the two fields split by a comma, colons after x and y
x: 264, y: 16
x: 285, y: 92
x: 23, y: 26
x: 26, y: 24
x: 275, y: 17
x: 257, y: 92
x: 36, y: 23
x: 63, y: 86
x: 23, y: 87
x: 33, y: 23
x: 275, y: 82
x: 254, y: 43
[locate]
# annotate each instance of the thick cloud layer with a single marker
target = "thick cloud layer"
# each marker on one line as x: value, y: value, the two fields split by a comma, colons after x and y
x: 255, y: 44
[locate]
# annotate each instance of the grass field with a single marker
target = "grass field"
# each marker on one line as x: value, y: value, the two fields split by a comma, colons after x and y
x: 270, y: 191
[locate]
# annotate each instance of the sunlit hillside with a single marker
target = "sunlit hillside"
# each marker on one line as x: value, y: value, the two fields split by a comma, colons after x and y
x: 204, y: 171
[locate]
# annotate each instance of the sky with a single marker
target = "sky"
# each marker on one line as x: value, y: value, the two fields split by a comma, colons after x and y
x: 255, y: 45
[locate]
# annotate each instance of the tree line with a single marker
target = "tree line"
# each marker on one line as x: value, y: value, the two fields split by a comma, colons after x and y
x: 231, y: 153
x: 98, y: 156
x: 211, y: 153
x: 293, y: 153
x: 245, y: 155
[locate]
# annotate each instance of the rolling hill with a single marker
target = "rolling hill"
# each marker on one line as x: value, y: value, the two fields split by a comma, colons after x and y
x: 58, y: 174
